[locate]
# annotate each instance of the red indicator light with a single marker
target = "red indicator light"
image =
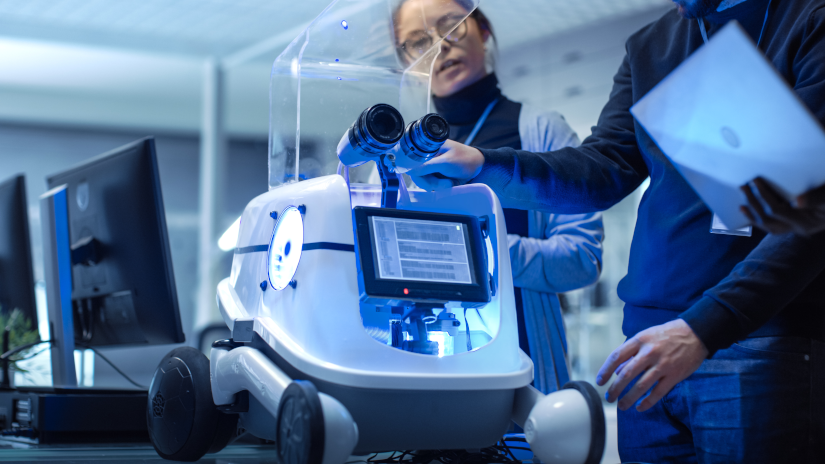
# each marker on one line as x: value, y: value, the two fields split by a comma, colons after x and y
x: 406, y: 291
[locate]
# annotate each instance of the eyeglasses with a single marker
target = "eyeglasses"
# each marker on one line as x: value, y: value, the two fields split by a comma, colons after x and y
x: 451, y: 28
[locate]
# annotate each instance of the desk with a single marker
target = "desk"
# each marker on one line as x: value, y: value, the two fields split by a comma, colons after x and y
x: 125, y: 454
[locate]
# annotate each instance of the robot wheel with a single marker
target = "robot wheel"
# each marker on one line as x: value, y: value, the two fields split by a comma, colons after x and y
x: 183, y: 422
x: 597, y: 422
x: 300, y: 428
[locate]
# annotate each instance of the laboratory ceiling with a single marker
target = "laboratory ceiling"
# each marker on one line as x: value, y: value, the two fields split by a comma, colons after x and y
x: 225, y: 27
x: 139, y: 63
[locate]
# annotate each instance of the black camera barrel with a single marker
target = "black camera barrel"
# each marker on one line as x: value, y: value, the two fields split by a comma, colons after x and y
x: 376, y: 130
x: 424, y: 137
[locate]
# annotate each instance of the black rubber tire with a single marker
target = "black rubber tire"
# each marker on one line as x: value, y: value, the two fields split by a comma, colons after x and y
x: 598, y: 428
x: 226, y: 432
x: 300, y: 430
x: 183, y: 422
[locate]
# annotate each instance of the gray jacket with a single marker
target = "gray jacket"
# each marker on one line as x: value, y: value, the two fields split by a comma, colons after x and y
x: 563, y: 252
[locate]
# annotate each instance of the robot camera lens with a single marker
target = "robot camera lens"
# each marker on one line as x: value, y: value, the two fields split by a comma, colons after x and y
x: 436, y: 127
x: 421, y: 141
x: 375, y: 132
x: 385, y: 123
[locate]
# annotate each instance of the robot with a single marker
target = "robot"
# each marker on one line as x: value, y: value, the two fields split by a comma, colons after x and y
x: 364, y: 318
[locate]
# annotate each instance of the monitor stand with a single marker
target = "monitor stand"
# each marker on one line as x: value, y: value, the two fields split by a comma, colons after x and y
x: 66, y: 413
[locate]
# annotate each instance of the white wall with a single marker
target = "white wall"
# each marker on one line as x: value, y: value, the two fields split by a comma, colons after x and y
x: 571, y: 72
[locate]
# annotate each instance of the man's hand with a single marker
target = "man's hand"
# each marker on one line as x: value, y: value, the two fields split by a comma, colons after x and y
x: 455, y: 164
x: 666, y: 354
x: 770, y: 212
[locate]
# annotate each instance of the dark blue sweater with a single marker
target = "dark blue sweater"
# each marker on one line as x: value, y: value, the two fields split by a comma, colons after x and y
x: 725, y: 287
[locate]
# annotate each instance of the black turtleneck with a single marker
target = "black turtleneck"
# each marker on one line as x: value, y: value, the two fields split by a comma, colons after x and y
x: 463, y: 110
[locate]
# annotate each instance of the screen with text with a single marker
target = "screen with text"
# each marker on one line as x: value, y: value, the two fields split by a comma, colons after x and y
x: 429, y: 251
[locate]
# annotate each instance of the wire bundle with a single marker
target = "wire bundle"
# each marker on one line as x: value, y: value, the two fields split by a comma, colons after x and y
x: 501, y: 452
x: 18, y: 349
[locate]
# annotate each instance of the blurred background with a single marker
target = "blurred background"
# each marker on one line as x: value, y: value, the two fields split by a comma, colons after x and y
x: 81, y: 77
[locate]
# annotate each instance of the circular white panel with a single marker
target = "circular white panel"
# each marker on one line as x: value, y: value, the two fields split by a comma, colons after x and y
x: 285, y: 248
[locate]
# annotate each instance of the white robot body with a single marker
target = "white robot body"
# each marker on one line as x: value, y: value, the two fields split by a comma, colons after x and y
x: 314, y: 330
x: 376, y: 397
x: 317, y: 325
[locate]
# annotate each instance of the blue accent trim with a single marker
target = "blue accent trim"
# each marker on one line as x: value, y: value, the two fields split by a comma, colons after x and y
x: 307, y: 246
x: 329, y: 246
x: 64, y: 259
x: 480, y: 121
x: 251, y: 249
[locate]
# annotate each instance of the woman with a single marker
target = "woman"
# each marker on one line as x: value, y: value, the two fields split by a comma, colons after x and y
x: 549, y: 253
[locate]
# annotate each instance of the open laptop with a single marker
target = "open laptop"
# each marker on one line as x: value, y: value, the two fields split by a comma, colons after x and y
x: 726, y: 116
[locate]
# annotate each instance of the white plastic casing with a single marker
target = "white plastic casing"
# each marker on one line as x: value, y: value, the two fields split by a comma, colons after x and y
x: 247, y: 369
x: 340, y: 431
x: 558, y: 428
x: 316, y: 326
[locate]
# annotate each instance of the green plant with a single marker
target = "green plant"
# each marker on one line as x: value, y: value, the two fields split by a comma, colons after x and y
x: 20, y: 333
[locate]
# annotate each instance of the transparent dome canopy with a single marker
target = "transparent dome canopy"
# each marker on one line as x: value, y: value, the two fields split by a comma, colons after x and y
x: 346, y: 60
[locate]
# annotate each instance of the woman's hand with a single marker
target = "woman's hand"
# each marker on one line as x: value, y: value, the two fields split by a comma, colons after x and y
x: 660, y: 356
x: 770, y: 212
x: 455, y: 164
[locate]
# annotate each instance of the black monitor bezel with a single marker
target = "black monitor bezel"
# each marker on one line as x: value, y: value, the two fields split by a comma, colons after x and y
x: 161, y: 325
x: 19, y: 274
x: 377, y: 291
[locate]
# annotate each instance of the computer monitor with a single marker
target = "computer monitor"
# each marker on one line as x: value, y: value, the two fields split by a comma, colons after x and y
x: 419, y: 257
x: 123, y: 285
x: 16, y: 272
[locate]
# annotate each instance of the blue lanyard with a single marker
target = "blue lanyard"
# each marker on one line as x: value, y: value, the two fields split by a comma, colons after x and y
x: 480, y: 122
x: 758, y: 42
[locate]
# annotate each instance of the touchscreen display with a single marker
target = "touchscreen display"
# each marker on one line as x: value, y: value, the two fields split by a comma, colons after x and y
x: 414, y: 249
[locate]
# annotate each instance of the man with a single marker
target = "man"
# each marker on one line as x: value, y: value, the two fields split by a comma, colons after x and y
x: 726, y: 329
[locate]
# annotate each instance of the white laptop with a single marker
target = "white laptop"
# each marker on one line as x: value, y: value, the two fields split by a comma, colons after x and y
x: 726, y: 116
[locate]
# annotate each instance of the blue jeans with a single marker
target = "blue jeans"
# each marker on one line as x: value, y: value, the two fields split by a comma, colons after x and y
x: 759, y: 401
